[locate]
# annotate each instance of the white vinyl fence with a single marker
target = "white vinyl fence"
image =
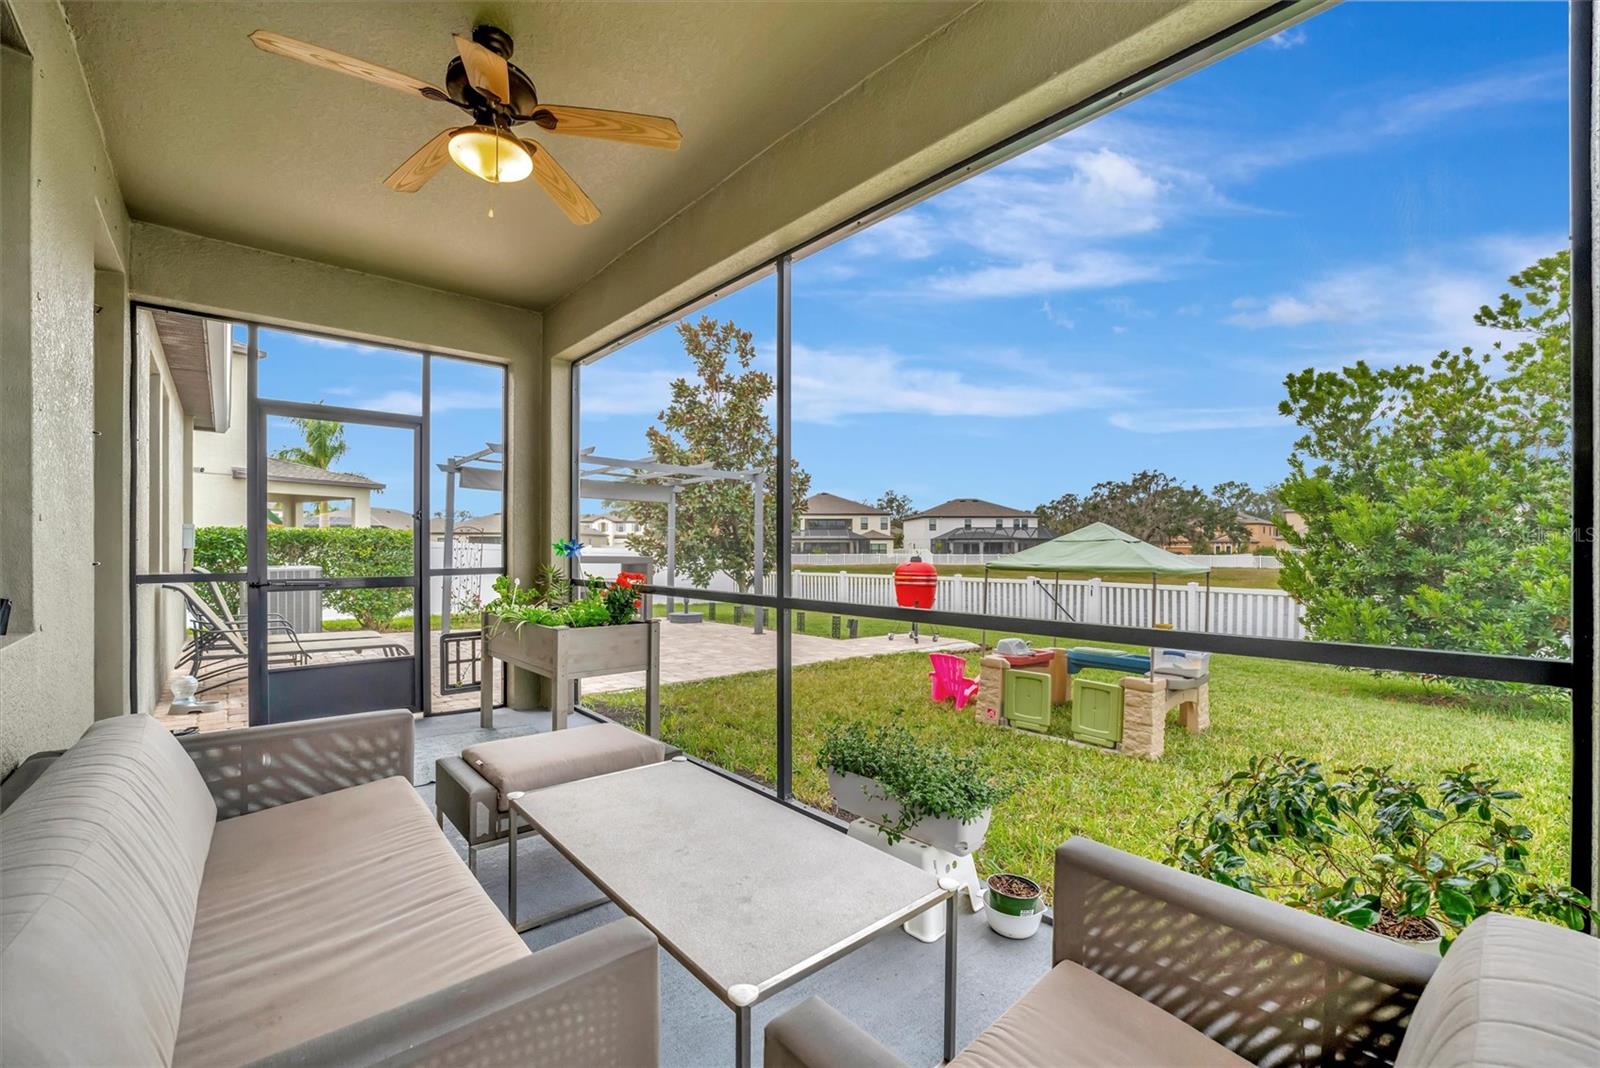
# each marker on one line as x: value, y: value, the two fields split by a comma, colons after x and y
x: 1253, y: 613
x: 1232, y: 560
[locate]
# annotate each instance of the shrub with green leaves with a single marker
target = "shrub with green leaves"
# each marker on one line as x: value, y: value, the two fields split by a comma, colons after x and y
x: 1370, y: 848
x: 342, y: 552
x: 928, y: 782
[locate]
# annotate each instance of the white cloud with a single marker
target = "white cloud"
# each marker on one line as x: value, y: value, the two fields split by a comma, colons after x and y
x: 611, y: 389
x: 1388, y: 115
x: 1293, y: 37
x: 835, y: 384
x: 1177, y: 420
x: 1086, y: 270
x: 1063, y: 321
x: 1406, y: 310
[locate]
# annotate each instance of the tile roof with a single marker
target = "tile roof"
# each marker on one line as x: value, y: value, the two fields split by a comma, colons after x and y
x: 832, y: 504
x: 969, y: 508
x: 289, y: 471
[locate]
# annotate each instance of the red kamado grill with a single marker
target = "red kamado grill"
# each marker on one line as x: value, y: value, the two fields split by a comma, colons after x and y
x: 916, y: 584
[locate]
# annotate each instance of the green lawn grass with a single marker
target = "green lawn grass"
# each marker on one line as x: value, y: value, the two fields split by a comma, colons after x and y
x: 1340, y: 717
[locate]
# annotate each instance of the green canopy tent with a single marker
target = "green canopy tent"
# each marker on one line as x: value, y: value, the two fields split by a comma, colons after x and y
x: 1101, y: 549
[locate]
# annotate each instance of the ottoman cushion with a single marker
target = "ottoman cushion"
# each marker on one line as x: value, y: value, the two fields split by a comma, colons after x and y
x: 534, y: 761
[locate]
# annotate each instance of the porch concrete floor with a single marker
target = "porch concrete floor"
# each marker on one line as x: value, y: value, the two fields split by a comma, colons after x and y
x: 892, y: 987
x: 689, y: 651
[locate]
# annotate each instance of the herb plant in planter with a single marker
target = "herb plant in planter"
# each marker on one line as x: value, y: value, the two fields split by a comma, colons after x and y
x: 543, y: 629
x: 1372, y: 849
x: 910, y: 790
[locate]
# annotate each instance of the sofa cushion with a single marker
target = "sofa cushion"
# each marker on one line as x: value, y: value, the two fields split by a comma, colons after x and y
x: 1073, y: 1017
x: 534, y: 761
x: 99, y: 877
x: 321, y: 913
x: 1510, y: 991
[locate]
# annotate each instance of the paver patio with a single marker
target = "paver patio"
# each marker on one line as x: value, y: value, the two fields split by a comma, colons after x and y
x: 689, y: 651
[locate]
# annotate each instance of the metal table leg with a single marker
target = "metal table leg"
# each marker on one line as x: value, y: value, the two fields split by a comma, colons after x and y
x: 511, y: 858
x: 741, y: 1036
x: 950, y: 977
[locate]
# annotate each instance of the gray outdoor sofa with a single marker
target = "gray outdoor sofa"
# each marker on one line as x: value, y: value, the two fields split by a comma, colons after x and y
x: 1154, y: 966
x: 281, y: 895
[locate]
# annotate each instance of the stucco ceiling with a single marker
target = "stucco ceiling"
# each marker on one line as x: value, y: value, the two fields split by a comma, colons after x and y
x: 210, y: 135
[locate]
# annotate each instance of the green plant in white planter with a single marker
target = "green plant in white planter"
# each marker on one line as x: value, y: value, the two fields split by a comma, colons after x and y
x: 926, y: 793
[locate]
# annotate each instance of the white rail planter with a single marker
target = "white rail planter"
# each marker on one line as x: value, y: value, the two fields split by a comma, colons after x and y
x: 565, y: 654
x: 867, y: 799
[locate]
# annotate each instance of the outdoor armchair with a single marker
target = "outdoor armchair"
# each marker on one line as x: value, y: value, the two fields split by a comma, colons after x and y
x: 1155, y: 965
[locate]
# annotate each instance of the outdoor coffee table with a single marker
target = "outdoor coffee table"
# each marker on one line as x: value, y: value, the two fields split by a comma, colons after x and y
x: 749, y: 895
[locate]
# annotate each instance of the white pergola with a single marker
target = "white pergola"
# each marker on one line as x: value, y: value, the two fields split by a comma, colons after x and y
x: 610, y: 479
x: 485, y: 470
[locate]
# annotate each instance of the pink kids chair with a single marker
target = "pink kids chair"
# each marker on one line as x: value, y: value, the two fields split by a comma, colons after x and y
x: 949, y: 679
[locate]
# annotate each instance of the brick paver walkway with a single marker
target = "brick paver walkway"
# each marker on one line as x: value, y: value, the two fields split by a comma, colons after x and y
x: 689, y: 651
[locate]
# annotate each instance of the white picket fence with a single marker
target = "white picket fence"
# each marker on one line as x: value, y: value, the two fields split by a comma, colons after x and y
x: 1252, y: 613
x: 1233, y: 560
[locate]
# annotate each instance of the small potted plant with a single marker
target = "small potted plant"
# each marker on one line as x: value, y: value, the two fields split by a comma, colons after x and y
x: 928, y: 794
x: 1372, y: 849
x: 1016, y: 905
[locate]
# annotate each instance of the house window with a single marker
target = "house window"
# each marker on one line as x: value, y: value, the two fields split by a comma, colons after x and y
x: 933, y: 524
x: 883, y: 523
x: 863, y: 523
x: 999, y: 523
x: 967, y: 525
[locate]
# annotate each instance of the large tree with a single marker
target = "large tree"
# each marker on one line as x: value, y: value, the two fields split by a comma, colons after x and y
x: 1152, y: 506
x: 1437, y: 499
x: 898, y: 505
x: 717, y: 417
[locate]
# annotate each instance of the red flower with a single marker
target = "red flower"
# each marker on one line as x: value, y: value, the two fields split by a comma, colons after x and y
x: 629, y: 579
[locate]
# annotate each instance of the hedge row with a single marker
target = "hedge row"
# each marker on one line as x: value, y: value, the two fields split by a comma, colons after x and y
x: 341, y: 552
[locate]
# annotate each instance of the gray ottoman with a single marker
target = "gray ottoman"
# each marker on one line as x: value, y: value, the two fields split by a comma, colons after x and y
x: 471, y: 791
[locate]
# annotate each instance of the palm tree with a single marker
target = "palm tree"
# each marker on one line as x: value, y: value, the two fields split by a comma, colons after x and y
x: 324, y: 444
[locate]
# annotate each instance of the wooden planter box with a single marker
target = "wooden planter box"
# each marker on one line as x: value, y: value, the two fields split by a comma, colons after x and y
x: 564, y: 654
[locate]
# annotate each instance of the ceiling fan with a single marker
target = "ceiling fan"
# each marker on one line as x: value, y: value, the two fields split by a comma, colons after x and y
x: 483, y: 82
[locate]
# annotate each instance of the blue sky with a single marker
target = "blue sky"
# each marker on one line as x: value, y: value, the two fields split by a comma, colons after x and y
x: 466, y: 409
x: 1132, y: 294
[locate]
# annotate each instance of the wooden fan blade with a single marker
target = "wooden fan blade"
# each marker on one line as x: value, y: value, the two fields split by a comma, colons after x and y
x: 424, y: 163
x: 486, y: 70
x: 654, y: 131
x: 317, y: 56
x: 559, y: 184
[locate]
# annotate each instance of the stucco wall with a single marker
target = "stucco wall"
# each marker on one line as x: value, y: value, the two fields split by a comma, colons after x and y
x: 47, y: 694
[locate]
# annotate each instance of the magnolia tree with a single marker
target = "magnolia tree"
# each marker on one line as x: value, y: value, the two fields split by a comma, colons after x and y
x: 1437, y: 499
x: 719, y: 417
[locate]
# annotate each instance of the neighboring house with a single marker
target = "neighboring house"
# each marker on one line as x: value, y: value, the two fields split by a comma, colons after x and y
x: 603, y: 528
x: 832, y: 524
x: 298, y: 494
x: 1264, y: 537
x: 971, y: 525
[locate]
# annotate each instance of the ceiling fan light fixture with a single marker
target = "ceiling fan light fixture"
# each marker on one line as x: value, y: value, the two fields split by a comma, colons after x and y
x: 487, y: 153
